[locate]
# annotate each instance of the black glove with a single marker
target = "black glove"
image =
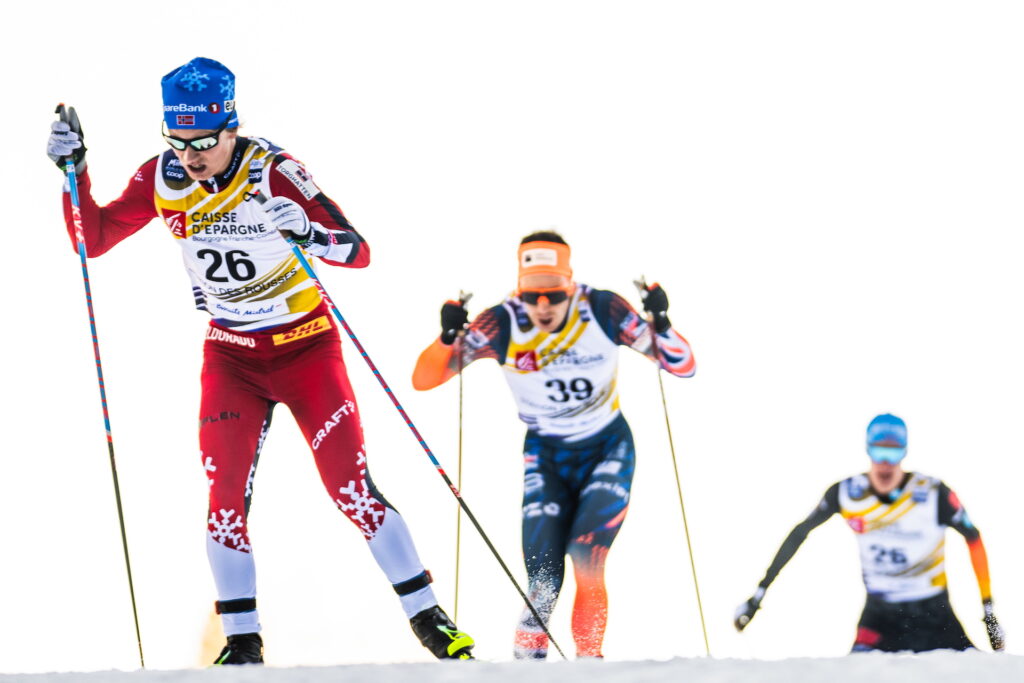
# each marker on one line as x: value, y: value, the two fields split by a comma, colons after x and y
x: 745, y: 612
x: 996, y: 637
x: 655, y: 302
x: 454, y: 319
x: 66, y: 140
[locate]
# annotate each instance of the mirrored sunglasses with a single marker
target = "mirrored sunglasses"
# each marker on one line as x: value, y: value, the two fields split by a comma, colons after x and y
x: 200, y: 144
x: 887, y: 454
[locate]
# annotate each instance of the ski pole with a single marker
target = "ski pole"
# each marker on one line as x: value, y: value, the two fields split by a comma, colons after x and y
x: 464, y: 298
x: 67, y: 115
x: 304, y: 262
x: 641, y: 285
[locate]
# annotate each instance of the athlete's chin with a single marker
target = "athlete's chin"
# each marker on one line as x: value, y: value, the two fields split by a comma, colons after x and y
x: 885, y: 477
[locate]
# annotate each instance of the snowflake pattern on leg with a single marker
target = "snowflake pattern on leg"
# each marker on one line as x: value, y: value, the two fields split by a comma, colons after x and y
x: 229, y: 530
x: 358, y: 504
x: 209, y: 467
x: 194, y: 78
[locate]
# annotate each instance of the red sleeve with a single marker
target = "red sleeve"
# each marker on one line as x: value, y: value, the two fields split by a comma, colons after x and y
x: 289, y: 178
x: 105, y: 226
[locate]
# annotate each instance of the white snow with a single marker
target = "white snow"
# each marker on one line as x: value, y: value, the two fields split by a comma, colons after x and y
x: 938, y: 667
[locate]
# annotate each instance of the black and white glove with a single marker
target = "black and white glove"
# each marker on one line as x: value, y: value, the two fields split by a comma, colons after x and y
x: 655, y: 302
x: 289, y: 219
x: 66, y: 140
x: 996, y: 636
x: 745, y: 612
x: 454, y: 319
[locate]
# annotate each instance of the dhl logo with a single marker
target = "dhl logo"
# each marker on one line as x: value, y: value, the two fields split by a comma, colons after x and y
x: 321, y: 324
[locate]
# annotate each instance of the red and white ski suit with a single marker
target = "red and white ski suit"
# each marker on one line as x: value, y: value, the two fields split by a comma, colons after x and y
x: 272, y: 340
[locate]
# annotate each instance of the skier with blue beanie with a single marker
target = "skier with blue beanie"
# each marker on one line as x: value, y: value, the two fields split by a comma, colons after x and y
x: 887, y: 439
x: 198, y: 94
x: 900, y: 520
x: 271, y: 338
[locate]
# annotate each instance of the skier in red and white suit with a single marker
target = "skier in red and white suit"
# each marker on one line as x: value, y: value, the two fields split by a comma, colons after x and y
x: 271, y: 340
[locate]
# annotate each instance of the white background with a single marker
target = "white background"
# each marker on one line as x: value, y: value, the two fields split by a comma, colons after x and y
x: 828, y: 191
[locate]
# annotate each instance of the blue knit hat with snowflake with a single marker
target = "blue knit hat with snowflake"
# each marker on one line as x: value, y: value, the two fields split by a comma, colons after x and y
x: 200, y: 95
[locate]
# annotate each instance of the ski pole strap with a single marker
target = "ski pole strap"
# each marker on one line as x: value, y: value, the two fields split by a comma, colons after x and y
x: 235, y: 606
x: 414, y: 584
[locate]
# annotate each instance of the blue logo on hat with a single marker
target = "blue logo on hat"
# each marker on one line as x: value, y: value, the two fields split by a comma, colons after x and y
x: 190, y: 102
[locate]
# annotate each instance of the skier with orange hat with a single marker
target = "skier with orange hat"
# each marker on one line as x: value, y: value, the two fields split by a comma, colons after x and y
x: 557, y: 342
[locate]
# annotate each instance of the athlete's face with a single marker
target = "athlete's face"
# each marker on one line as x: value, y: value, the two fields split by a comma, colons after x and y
x: 546, y: 316
x: 885, y: 476
x: 208, y: 163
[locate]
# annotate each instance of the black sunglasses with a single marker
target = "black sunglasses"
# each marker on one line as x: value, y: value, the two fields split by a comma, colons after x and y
x: 200, y: 144
x: 554, y: 295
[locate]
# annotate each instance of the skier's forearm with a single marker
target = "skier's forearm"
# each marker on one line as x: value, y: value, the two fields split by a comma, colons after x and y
x: 333, y: 238
x: 796, y: 538
x: 103, y: 227
x: 625, y: 326
x: 979, y: 561
x: 785, y: 553
x: 345, y: 246
x: 434, y: 366
x: 90, y: 217
x: 675, y: 354
x: 338, y: 247
x: 953, y: 514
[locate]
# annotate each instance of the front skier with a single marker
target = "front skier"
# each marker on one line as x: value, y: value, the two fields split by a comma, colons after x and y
x: 271, y: 339
x: 557, y: 342
x: 900, y: 519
